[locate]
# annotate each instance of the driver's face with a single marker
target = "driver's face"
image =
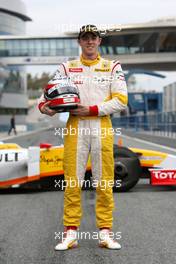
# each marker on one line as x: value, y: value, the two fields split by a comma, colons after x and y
x: 89, y: 44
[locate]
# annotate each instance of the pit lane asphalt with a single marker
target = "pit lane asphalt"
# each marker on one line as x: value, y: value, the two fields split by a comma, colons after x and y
x: 145, y: 216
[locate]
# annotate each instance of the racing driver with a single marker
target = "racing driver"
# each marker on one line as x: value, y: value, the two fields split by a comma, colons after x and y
x: 103, y: 91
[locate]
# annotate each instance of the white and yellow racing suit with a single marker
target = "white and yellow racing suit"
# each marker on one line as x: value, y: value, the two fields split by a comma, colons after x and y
x: 102, y: 87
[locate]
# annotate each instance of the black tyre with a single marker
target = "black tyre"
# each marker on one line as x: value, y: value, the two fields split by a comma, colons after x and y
x: 127, y: 169
x: 54, y: 183
x: 87, y: 185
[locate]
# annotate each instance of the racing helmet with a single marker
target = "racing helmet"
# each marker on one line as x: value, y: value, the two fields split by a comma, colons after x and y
x: 62, y: 94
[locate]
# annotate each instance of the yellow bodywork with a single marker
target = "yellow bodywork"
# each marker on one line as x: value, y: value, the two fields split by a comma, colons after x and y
x: 51, y: 161
x: 149, y: 158
x: 9, y: 146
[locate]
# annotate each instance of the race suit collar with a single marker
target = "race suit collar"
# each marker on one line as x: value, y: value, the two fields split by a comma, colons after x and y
x: 90, y: 62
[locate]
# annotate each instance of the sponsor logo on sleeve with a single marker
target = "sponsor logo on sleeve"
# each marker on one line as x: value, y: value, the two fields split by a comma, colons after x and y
x: 120, y: 75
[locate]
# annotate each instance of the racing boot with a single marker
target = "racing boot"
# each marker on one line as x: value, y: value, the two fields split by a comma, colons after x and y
x: 105, y: 240
x: 69, y: 240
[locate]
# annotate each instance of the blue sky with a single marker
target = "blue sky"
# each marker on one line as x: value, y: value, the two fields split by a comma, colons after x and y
x: 55, y: 16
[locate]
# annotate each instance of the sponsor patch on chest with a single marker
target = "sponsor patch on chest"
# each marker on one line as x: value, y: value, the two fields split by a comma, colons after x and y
x: 102, y: 70
x: 75, y: 69
x: 104, y: 67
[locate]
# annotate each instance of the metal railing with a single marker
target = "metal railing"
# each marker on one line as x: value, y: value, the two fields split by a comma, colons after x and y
x: 162, y: 124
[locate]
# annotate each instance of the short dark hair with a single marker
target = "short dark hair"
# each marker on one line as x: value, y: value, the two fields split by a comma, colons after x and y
x: 88, y: 29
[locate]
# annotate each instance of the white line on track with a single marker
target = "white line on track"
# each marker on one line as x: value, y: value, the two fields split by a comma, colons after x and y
x: 150, y: 143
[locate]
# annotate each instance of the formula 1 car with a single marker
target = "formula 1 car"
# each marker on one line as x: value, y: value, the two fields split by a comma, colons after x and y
x: 42, y: 167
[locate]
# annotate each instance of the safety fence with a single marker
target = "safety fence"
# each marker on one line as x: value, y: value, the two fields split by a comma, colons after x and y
x: 162, y: 124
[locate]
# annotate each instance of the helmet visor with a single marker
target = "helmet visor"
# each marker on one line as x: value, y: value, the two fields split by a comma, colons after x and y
x: 60, y: 90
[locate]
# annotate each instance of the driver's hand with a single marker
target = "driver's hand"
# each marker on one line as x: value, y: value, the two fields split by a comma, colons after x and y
x: 46, y: 110
x: 81, y: 110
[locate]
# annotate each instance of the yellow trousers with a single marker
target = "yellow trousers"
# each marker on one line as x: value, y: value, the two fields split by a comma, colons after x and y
x: 94, y: 136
